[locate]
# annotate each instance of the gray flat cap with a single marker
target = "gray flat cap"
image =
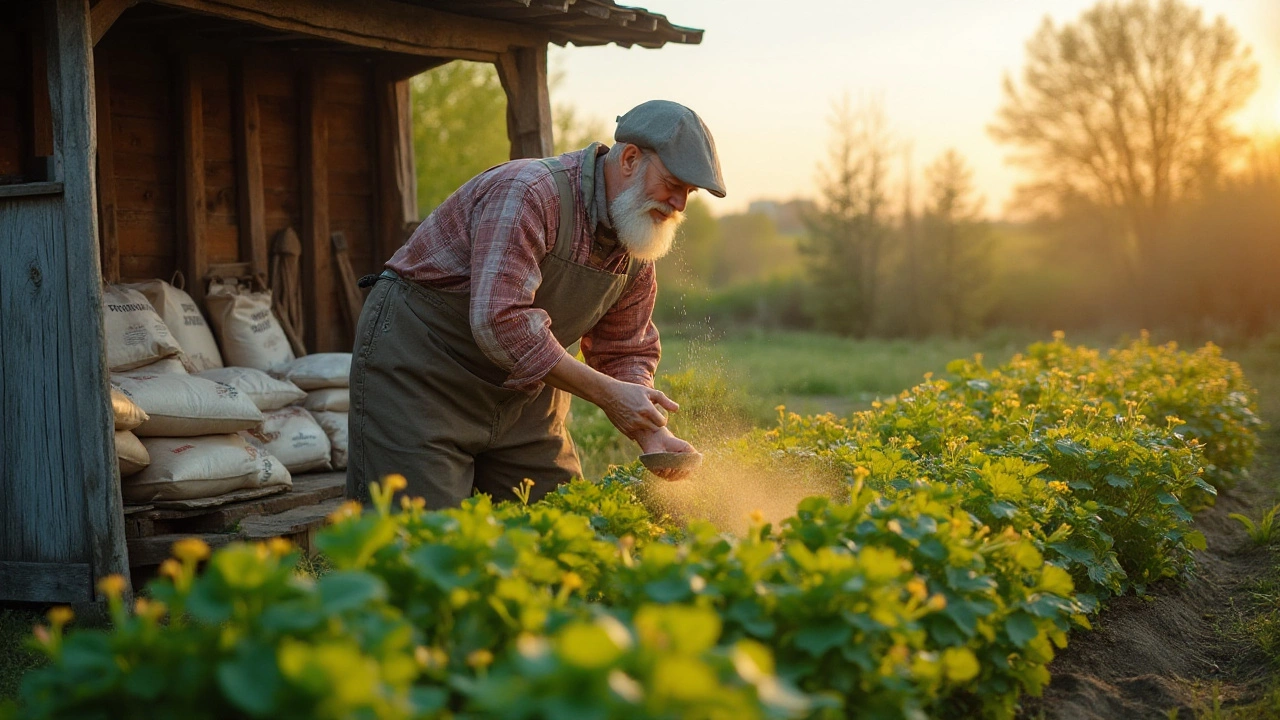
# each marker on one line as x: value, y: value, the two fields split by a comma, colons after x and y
x: 680, y: 138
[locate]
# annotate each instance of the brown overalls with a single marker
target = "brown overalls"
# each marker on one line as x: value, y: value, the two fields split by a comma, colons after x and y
x: 428, y: 404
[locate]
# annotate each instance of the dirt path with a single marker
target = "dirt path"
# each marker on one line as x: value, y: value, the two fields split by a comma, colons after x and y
x: 1173, y: 648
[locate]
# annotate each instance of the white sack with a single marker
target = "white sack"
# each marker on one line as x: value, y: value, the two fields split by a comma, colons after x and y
x: 167, y: 366
x: 319, y: 370
x: 248, y: 330
x: 293, y: 436
x: 131, y: 454
x: 266, y: 392
x: 187, y: 406
x: 328, y: 399
x: 335, y: 425
x: 185, y: 322
x: 136, y: 335
x: 190, y: 468
x: 127, y: 413
x: 270, y: 470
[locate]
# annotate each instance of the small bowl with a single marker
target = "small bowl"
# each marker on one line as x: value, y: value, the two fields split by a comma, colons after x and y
x: 683, y: 462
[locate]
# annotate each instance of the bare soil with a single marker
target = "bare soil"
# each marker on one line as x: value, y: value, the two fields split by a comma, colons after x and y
x: 1171, y: 648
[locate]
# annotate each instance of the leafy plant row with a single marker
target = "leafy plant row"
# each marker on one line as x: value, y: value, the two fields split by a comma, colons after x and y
x: 985, y: 518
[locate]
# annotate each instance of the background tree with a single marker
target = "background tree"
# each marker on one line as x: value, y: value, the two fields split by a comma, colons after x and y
x: 459, y: 127
x: 956, y: 247
x: 1129, y: 108
x: 848, y: 232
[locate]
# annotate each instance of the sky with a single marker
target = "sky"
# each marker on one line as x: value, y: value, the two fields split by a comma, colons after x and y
x: 767, y: 74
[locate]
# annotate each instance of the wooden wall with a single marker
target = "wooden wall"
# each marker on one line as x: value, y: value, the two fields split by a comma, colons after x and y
x: 143, y: 86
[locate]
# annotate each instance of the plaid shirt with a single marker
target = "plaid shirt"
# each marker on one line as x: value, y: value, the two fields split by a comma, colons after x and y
x: 488, y: 238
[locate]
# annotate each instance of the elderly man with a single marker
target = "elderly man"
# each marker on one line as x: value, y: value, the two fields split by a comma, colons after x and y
x: 460, y: 379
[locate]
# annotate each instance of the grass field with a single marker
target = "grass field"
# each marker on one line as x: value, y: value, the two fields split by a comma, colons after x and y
x: 754, y: 372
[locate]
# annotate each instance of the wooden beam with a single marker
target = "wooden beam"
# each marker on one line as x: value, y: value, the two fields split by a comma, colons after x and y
x: 313, y: 167
x: 523, y: 73
x: 379, y: 24
x: 42, y: 582
x: 192, y: 252
x: 81, y: 375
x: 104, y: 14
x: 248, y: 152
x: 109, y: 237
x: 397, y: 181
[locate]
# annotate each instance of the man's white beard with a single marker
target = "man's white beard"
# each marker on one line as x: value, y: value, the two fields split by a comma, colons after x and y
x: 639, y: 233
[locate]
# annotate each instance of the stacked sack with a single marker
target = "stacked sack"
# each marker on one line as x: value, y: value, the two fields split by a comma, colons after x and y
x: 326, y: 378
x: 187, y: 426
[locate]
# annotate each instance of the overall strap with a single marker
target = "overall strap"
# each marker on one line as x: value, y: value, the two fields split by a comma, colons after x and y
x: 564, y: 234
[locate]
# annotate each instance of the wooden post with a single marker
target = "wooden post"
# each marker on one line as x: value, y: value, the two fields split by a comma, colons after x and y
x: 523, y: 72
x: 192, y: 253
x: 81, y: 372
x: 317, y: 268
x: 248, y: 138
x: 397, y: 183
x: 106, y: 172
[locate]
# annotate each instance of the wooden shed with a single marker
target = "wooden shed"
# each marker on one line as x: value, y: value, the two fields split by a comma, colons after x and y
x: 140, y: 138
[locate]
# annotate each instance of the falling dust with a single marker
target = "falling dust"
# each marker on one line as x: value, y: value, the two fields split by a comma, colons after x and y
x: 737, y: 477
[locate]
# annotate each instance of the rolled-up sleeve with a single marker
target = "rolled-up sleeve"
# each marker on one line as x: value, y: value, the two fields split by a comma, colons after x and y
x: 625, y: 344
x: 509, y: 235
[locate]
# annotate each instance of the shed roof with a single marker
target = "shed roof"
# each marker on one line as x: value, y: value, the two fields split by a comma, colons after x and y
x: 581, y: 22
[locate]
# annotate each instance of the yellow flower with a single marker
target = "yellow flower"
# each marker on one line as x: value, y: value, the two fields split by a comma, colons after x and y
x: 279, y: 546
x: 348, y: 509
x: 917, y: 588
x: 937, y: 603
x: 480, y: 659
x: 395, y: 482
x: 191, y: 549
x: 170, y: 568
x: 112, y: 586
x: 1059, y: 487
x: 1059, y: 336
x: 571, y: 581
x: 756, y: 516
x: 861, y: 473
x: 61, y: 615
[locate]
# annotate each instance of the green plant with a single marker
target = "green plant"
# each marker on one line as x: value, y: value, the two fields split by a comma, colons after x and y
x: 1260, y: 532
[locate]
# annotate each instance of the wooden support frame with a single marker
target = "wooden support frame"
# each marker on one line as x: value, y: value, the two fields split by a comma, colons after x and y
x: 81, y: 373
x: 523, y: 73
x: 397, y: 183
x: 246, y: 127
x: 192, y: 248
x: 313, y: 167
x: 109, y: 234
x: 378, y: 24
x: 104, y: 14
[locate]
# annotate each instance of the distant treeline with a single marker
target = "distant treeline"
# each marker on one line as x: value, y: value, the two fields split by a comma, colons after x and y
x: 1146, y: 207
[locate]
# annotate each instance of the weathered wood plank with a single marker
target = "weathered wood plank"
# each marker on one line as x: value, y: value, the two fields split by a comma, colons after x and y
x: 307, y: 490
x: 317, y: 268
x: 45, y: 582
x: 26, y: 189
x: 248, y: 137
x: 523, y: 73
x: 158, y: 548
x: 86, y: 428
x: 110, y: 238
x: 379, y: 24
x: 192, y: 249
x: 289, y: 522
x: 41, y: 501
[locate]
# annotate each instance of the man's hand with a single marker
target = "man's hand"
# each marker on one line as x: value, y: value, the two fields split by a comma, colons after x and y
x: 635, y: 409
x: 661, y: 440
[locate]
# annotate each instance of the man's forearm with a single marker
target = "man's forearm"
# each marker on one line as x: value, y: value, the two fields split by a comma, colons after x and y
x: 578, y: 378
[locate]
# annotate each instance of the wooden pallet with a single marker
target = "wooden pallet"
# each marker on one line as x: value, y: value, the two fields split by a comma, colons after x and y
x: 294, y: 514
